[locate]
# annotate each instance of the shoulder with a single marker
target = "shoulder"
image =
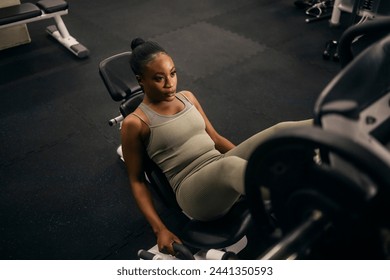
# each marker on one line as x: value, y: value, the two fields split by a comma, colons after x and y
x: 135, y: 126
x: 131, y: 121
x: 190, y: 96
x: 131, y: 126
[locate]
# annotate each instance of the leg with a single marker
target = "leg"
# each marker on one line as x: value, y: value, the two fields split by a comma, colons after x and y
x: 245, y: 149
x: 210, y: 192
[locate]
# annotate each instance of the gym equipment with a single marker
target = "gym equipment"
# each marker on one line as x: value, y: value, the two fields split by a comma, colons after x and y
x: 330, y: 51
x: 44, y: 9
x: 315, y: 9
x: 367, y: 33
x: 330, y: 183
x: 353, y: 91
x: 326, y: 201
x: 366, y: 9
x: 356, y: 38
x: 200, y: 237
x: 319, y: 11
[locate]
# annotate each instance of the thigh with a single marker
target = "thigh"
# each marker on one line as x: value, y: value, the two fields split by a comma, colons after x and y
x: 245, y: 149
x: 210, y: 192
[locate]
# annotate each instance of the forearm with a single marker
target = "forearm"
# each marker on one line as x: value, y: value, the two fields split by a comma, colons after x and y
x: 223, y: 145
x: 146, y: 206
x: 165, y: 237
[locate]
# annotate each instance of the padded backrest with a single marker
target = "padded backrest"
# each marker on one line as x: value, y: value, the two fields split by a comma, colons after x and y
x: 118, y: 76
x: 131, y: 103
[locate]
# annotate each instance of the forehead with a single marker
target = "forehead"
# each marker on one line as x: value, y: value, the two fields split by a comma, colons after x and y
x: 161, y: 63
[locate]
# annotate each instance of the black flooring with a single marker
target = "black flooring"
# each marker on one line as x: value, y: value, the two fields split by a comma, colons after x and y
x: 64, y: 193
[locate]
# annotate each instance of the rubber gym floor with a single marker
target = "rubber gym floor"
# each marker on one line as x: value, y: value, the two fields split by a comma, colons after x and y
x: 64, y: 192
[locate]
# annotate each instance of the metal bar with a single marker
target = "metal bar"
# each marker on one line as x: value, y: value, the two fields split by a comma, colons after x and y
x: 298, y: 241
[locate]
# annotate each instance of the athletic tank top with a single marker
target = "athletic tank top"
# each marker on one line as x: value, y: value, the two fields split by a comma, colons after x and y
x: 179, y: 144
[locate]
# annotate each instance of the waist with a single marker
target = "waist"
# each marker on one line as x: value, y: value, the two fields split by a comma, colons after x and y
x: 175, y: 177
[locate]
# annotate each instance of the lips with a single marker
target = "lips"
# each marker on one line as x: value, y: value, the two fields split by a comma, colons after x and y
x: 171, y: 93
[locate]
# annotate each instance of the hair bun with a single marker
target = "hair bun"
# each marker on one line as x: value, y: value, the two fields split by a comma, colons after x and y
x: 136, y: 42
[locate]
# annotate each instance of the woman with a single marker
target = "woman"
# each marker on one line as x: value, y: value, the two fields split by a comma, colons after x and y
x: 205, y: 170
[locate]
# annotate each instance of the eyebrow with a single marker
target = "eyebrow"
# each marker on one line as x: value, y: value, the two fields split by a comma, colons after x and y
x: 161, y: 73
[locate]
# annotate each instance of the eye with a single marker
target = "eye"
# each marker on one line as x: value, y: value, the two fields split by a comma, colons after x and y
x: 158, y: 78
x: 173, y: 73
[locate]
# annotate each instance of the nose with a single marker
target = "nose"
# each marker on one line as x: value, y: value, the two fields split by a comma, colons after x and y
x: 169, y: 82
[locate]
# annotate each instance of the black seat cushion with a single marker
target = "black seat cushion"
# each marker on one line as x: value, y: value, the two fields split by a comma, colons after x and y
x: 219, y: 233
x: 18, y: 12
x: 52, y: 6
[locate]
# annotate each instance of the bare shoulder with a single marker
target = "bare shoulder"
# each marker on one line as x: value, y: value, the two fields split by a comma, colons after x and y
x: 131, y: 120
x: 131, y: 125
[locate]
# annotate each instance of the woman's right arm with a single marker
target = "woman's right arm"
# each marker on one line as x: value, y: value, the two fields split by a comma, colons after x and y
x: 132, y: 148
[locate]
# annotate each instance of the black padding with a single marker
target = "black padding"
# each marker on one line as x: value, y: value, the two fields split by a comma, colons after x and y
x: 118, y: 76
x: 80, y: 50
x: 52, y: 6
x: 219, y: 233
x: 18, y: 12
x: 129, y: 106
x: 160, y: 184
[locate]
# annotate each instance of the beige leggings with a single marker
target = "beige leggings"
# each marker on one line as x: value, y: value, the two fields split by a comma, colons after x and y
x: 210, y: 192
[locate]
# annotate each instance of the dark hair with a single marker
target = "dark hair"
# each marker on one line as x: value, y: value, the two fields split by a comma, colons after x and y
x: 142, y: 53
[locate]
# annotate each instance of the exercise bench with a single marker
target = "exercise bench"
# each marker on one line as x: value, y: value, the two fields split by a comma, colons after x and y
x: 44, y: 9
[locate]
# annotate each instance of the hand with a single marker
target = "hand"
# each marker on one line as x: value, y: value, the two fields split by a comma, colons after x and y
x: 165, y: 239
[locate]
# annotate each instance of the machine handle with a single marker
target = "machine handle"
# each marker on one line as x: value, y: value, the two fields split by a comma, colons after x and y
x: 115, y: 121
x: 182, y: 252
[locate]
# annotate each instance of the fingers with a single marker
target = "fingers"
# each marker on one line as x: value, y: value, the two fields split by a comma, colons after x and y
x: 168, y: 248
x: 165, y: 239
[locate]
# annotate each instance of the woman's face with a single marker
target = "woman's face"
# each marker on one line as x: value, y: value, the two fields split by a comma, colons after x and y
x: 159, y: 79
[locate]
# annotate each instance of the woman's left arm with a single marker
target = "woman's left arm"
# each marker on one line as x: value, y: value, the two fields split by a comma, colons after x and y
x: 221, y: 143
